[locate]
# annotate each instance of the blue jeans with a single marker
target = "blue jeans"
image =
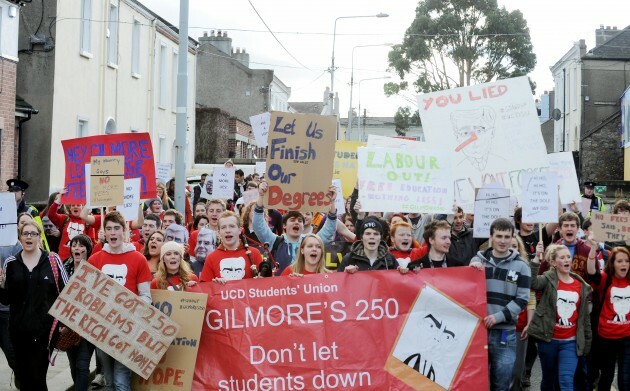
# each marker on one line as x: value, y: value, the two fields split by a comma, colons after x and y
x: 501, y: 358
x: 79, y: 357
x: 117, y: 376
x: 558, y: 358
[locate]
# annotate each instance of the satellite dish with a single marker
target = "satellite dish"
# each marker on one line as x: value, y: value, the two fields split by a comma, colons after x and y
x: 556, y: 114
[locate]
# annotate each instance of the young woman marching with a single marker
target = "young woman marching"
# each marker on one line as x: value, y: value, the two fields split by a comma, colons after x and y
x: 310, y: 259
x: 172, y: 273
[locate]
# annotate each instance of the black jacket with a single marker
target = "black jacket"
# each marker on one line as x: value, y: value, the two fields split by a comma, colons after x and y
x: 463, y: 246
x: 31, y: 295
x: 425, y: 262
x: 356, y: 256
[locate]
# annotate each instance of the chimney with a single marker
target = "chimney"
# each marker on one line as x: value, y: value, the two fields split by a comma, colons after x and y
x: 603, y: 34
x: 219, y: 41
x: 205, y: 34
x: 242, y: 57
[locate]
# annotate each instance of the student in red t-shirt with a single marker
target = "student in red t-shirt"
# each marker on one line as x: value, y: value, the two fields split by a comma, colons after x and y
x: 69, y: 224
x: 173, y: 274
x: 230, y: 261
x: 403, y: 247
x: 310, y: 258
x: 128, y: 267
x: 562, y: 321
x: 613, y: 344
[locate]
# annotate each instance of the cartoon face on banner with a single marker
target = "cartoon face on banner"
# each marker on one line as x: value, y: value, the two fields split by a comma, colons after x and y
x: 434, y: 338
x: 232, y: 268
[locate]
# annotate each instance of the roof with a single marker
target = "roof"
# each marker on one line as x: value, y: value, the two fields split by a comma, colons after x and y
x: 164, y: 21
x: 615, y: 48
x: 23, y: 106
x: 307, y: 107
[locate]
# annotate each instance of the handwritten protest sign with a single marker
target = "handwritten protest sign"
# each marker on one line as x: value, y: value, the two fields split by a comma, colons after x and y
x: 414, y: 180
x: 114, y: 319
x: 340, y: 203
x: 175, y: 370
x: 610, y: 228
x: 540, y: 197
x: 260, y: 127
x: 138, y: 152
x: 260, y: 168
x: 492, y: 131
x: 8, y: 219
x: 163, y: 172
x: 300, y: 161
x: 562, y: 165
x: 129, y: 208
x: 250, y: 196
x: 375, y: 140
x: 585, y: 206
x: 346, y: 164
x: 325, y: 322
x: 223, y: 182
x: 490, y: 204
x: 107, y: 180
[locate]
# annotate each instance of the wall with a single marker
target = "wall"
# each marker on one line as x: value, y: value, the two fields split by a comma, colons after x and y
x: 9, y: 142
x: 596, y: 164
x: 211, y: 135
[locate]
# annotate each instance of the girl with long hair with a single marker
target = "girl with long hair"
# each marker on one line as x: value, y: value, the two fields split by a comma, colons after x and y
x: 311, y: 259
x: 152, y: 250
x: 173, y: 274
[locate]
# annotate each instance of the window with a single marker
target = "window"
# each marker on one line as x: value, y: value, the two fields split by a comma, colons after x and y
x: 576, y: 91
x: 86, y: 26
x: 162, y: 149
x: 174, y: 82
x: 162, y: 87
x: 112, y: 38
x: 82, y: 127
x: 135, y: 48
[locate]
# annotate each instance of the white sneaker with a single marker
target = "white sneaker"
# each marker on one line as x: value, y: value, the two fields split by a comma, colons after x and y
x: 99, y: 380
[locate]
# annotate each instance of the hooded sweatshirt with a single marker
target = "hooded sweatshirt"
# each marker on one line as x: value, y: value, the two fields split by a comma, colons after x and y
x: 129, y: 268
x: 356, y: 256
x: 507, y: 286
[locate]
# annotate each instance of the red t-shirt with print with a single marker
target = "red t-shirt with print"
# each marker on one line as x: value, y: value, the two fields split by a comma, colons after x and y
x: 134, y: 234
x: 567, y: 309
x: 129, y: 268
x: 70, y: 226
x: 230, y: 264
x: 408, y: 256
x: 614, y: 319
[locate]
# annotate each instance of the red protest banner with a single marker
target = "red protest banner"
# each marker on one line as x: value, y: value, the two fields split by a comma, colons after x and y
x: 138, y: 152
x: 370, y: 330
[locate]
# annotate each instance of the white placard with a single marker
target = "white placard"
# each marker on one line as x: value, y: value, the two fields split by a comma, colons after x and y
x: 490, y: 204
x: 585, y: 206
x: 540, y: 197
x: 260, y: 127
x: 8, y: 219
x: 405, y: 180
x: 129, y: 209
x: 392, y: 142
x: 223, y: 183
x: 261, y: 168
x: 492, y: 132
x: 250, y: 195
x: 340, y: 203
x: 562, y: 165
x: 163, y: 172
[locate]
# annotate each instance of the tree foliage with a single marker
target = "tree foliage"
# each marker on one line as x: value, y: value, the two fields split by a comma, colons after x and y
x: 455, y: 43
x: 404, y: 119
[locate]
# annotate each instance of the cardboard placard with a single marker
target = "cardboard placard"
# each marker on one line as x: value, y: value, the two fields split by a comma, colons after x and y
x: 163, y: 172
x: 107, y: 180
x: 223, y: 182
x: 300, y: 161
x: 260, y: 127
x: 346, y: 164
x: 610, y: 228
x: 8, y: 219
x: 405, y: 180
x: 176, y: 369
x: 114, y: 319
x: 540, y: 197
x: 490, y: 204
x: 138, y: 152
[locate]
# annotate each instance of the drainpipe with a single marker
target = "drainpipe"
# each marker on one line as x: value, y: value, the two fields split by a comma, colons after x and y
x: 30, y: 112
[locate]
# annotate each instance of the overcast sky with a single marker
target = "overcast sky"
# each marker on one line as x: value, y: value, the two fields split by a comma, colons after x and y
x: 305, y: 28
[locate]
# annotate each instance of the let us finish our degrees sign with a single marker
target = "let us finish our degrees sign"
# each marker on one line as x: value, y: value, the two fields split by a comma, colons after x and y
x: 300, y: 161
x: 492, y: 131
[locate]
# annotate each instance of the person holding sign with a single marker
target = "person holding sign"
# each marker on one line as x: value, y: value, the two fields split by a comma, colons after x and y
x: 597, y: 204
x: 123, y: 263
x: 311, y: 259
x: 403, y: 250
x: 562, y: 322
x: 437, y: 234
x: 30, y: 286
x: 370, y: 252
x: 70, y: 224
x: 233, y: 259
x: 284, y: 247
x: 173, y: 274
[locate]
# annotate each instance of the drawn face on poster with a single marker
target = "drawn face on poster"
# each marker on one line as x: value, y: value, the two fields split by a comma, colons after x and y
x: 474, y: 131
x: 435, y: 337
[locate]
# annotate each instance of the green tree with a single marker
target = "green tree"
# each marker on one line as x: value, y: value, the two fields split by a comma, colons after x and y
x: 404, y: 119
x: 453, y: 43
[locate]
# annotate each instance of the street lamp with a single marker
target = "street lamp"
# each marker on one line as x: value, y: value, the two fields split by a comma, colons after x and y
x: 332, y: 66
x: 349, y: 129
x: 361, y: 81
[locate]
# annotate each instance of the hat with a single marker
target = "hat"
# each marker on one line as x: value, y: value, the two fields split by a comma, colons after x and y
x: 17, y: 185
x: 172, y: 246
x: 373, y: 223
x: 589, y: 183
x: 152, y: 200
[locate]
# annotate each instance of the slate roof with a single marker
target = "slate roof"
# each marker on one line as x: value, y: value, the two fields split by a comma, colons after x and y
x: 616, y: 48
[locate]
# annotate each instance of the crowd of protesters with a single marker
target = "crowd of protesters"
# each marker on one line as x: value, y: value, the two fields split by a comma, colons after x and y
x: 553, y: 292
